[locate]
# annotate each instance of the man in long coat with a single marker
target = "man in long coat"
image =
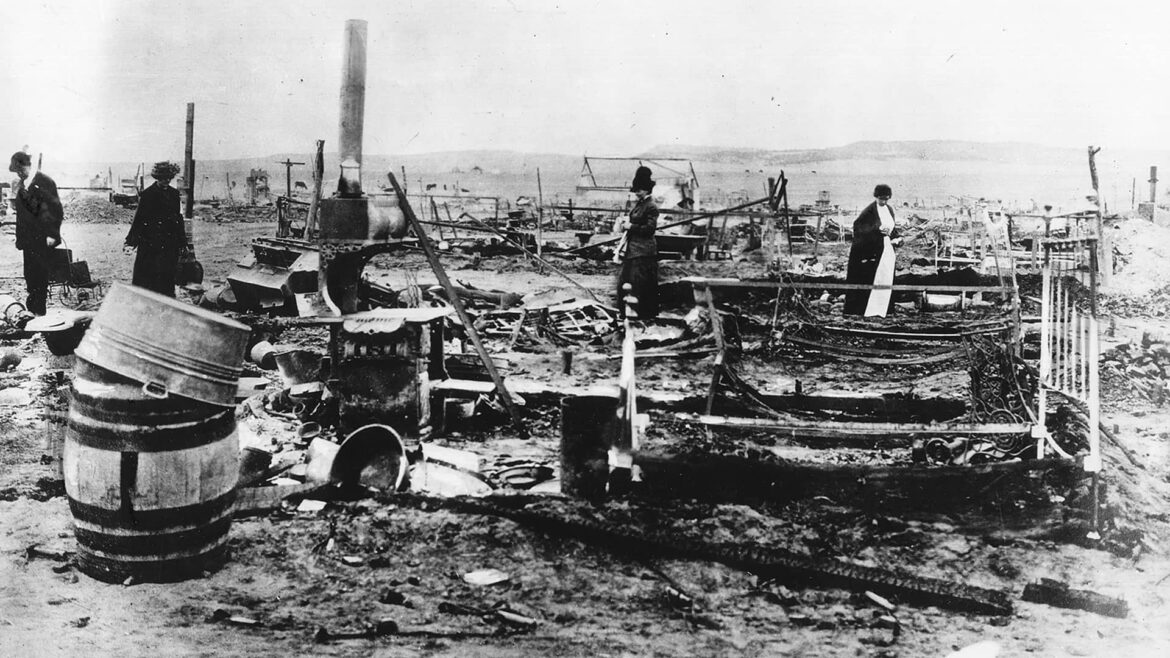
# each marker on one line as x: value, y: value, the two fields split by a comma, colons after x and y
x: 38, y: 227
x: 157, y: 233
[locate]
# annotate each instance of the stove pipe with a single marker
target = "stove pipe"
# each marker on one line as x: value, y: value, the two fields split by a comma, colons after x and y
x: 353, y: 105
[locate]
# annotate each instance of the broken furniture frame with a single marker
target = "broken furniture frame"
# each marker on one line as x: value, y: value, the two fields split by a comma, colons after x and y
x: 1069, y: 348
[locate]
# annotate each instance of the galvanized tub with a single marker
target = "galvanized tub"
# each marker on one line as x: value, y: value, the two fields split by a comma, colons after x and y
x: 168, y: 346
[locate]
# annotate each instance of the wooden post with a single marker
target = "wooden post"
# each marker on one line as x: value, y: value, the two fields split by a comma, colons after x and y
x: 1106, y: 256
x: 227, y: 184
x: 315, y: 200
x: 1153, y: 184
x: 539, y: 220
x: 457, y: 304
x: 288, y: 165
x: 189, y: 163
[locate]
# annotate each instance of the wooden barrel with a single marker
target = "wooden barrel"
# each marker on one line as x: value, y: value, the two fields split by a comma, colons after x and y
x: 151, y: 481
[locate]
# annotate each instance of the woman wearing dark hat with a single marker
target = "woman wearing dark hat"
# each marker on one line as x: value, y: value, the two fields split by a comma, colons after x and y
x: 157, y: 233
x: 638, y: 250
x: 871, y: 258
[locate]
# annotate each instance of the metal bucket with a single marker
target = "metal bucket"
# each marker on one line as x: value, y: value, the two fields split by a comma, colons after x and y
x: 373, y: 456
x: 151, y: 482
x: 168, y: 346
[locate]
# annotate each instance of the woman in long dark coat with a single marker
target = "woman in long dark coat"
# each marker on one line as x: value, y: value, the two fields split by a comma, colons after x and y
x: 872, y: 248
x: 639, y: 251
x: 157, y: 233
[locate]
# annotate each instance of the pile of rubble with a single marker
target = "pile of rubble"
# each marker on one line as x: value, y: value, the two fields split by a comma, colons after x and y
x: 1140, y: 249
x: 1153, y: 304
x: 89, y: 209
x: 1141, y: 368
x: 226, y: 213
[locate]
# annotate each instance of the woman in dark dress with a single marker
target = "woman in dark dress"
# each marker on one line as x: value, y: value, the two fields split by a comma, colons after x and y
x: 639, y: 251
x: 872, y: 248
x: 157, y: 233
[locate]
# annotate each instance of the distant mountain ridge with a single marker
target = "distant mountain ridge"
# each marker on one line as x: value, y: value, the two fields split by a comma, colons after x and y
x: 940, y: 150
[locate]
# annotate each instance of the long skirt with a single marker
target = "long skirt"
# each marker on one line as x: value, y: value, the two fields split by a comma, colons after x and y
x: 154, y: 269
x: 642, y: 275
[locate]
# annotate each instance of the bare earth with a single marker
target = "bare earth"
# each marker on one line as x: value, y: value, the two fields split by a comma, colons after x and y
x: 589, y: 600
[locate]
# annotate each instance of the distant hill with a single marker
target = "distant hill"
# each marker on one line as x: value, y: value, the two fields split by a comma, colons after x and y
x: 939, y: 150
x: 932, y: 171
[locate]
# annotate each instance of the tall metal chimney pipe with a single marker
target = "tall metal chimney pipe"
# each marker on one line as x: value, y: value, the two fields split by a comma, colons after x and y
x: 353, y: 107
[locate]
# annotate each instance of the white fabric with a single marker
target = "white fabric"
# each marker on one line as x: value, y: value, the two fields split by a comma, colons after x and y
x: 879, y: 300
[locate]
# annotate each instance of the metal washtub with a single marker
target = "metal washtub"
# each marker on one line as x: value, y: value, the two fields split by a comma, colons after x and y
x: 170, y: 347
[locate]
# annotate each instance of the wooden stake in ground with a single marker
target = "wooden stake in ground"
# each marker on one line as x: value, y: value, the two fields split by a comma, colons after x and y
x: 539, y: 218
x: 189, y: 166
x: 1104, y: 245
x: 315, y: 200
x: 453, y: 297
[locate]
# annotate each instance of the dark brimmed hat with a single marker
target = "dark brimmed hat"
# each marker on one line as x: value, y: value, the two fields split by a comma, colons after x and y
x: 164, y: 169
x: 19, y: 159
x: 642, y: 180
x: 883, y: 190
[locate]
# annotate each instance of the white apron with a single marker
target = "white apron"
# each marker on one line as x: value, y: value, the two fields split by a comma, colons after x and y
x: 879, y: 300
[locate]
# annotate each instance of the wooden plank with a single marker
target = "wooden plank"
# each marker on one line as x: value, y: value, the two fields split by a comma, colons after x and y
x: 454, y: 300
x: 832, y: 285
x: 832, y: 428
x: 886, y: 488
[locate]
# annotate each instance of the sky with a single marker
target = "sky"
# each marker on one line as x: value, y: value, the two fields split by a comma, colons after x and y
x: 109, y: 80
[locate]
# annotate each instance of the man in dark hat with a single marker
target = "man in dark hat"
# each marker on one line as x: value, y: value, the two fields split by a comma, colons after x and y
x: 871, y: 257
x: 639, y: 251
x: 38, y: 227
x: 157, y: 233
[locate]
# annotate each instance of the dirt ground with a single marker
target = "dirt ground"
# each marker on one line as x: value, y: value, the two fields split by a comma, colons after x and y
x: 357, y: 562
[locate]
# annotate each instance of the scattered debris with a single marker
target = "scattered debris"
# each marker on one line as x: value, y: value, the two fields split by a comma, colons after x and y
x: 485, y: 577
x: 1059, y: 594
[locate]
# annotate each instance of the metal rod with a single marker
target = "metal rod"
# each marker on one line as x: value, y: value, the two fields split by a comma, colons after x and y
x: 1093, y: 463
x: 457, y: 304
x: 1045, y: 361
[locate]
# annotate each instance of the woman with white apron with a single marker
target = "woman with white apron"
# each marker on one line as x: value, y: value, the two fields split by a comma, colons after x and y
x: 871, y: 257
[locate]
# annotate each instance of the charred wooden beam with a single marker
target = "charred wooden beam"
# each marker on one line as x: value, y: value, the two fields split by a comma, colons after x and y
x: 889, y: 488
x: 1056, y: 593
x: 774, y: 563
x: 836, y: 429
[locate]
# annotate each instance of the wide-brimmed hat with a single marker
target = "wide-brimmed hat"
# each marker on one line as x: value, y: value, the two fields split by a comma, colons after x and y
x: 882, y: 190
x: 164, y: 169
x: 642, y: 180
x: 19, y: 159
